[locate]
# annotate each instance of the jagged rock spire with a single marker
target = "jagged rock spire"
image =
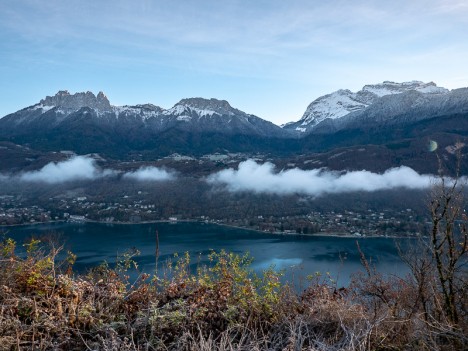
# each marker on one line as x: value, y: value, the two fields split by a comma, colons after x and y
x: 66, y: 100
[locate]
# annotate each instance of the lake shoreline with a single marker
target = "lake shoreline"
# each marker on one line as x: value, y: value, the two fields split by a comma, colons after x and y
x: 96, y: 242
x: 319, y: 234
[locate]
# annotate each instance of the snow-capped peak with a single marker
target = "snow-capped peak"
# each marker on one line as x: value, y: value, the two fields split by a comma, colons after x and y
x: 342, y: 102
x: 207, y: 107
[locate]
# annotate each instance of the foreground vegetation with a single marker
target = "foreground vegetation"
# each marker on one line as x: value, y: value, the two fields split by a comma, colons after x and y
x: 221, y: 307
x: 224, y: 306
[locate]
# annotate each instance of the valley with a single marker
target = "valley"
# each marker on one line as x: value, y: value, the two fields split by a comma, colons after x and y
x: 196, y: 153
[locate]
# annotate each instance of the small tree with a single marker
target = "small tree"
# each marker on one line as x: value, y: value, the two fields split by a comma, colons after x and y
x: 449, y: 244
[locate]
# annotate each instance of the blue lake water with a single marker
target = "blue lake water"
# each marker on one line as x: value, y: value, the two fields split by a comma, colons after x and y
x: 297, y: 255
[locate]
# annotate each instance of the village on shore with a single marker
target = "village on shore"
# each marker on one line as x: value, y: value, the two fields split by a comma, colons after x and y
x: 403, y: 223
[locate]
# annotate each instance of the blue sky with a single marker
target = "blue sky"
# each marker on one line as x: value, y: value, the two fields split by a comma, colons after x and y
x: 266, y: 57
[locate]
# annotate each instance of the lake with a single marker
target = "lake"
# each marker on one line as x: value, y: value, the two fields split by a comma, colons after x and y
x: 297, y: 255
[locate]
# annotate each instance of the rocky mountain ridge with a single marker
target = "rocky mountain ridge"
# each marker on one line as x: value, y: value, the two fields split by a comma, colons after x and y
x: 188, y: 114
x: 78, y: 100
x: 344, y: 102
x: 83, y: 122
x: 68, y: 103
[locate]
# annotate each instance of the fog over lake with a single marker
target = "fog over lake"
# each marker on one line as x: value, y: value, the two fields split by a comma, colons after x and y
x: 297, y: 255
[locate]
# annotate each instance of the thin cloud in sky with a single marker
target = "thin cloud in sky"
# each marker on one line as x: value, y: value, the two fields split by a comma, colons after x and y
x: 261, y: 27
x: 456, y: 7
x: 262, y: 178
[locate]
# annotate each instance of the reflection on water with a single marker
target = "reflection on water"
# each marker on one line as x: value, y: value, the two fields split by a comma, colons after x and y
x: 298, y: 255
x: 277, y: 263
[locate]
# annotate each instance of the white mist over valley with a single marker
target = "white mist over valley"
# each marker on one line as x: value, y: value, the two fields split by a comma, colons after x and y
x: 250, y: 176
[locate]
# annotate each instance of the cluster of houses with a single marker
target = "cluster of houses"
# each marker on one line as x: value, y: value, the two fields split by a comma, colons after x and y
x: 135, y: 210
x: 13, y: 211
x: 370, y: 223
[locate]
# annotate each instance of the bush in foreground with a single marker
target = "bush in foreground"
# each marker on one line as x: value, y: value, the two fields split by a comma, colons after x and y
x: 44, y: 306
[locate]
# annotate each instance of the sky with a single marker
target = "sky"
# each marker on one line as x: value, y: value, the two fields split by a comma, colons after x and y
x: 270, y: 58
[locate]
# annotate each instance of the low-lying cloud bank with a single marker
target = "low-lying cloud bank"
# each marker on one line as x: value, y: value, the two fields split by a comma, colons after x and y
x: 149, y: 174
x: 84, y: 168
x: 262, y: 178
x: 250, y: 176
x: 75, y: 168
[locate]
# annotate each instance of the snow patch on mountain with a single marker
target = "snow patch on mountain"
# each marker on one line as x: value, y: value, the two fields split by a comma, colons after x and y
x: 334, y: 105
x: 143, y: 112
x: 204, y: 113
x: 42, y: 107
x: 209, y: 107
x: 177, y: 110
x: 432, y: 89
x: 184, y: 118
x: 390, y: 88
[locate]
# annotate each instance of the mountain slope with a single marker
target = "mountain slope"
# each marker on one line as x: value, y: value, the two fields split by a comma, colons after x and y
x: 399, y: 110
x: 344, y: 102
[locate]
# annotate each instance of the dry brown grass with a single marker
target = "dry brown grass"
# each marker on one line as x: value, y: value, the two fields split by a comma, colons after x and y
x: 222, y: 307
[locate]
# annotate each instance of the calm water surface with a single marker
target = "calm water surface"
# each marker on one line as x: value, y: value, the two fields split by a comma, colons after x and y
x: 297, y: 255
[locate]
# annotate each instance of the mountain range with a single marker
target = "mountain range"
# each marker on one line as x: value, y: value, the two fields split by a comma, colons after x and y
x: 379, y: 114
